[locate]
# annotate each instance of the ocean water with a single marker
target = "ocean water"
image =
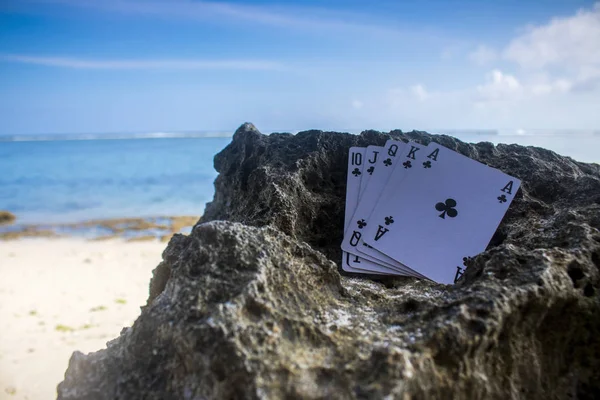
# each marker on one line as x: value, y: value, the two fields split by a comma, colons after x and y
x: 65, y: 181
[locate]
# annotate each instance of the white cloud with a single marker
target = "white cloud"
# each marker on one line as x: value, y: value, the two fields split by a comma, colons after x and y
x: 588, y: 79
x: 483, y: 55
x: 569, y: 42
x: 556, y: 58
x: 419, y: 92
x: 77, y: 63
x: 499, y: 86
x: 557, y: 86
x: 547, y: 77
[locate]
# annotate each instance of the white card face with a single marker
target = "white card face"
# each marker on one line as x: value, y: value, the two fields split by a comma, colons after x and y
x: 371, y: 157
x: 356, y: 159
x: 356, y: 264
x: 406, y: 164
x: 382, y: 171
x: 447, y: 209
x: 353, y: 261
x: 356, y: 164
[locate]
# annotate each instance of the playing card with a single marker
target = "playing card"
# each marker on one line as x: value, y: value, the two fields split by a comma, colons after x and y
x: 407, y: 163
x: 356, y: 264
x: 446, y: 211
x: 356, y: 157
x: 372, y: 155
x: 356, y: 163
x: 378, y: 179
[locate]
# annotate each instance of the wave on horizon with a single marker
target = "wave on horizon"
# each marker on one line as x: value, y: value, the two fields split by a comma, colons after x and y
x: 113, y: 136
x: 226, y: 134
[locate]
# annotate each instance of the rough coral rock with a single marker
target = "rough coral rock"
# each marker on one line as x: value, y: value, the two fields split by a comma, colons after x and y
x: 253, y: 306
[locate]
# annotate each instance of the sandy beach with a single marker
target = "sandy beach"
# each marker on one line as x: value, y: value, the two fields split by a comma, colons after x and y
x: 62, y: 295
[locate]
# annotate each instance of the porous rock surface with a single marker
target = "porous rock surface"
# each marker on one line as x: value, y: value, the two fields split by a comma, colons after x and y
x: 251, y: 303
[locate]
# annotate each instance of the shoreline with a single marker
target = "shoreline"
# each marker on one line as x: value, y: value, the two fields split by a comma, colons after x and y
x: 59, y: 295
x: 130, y: 229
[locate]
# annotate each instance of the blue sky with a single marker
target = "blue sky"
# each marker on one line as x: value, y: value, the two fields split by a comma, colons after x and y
x: 176, y: 65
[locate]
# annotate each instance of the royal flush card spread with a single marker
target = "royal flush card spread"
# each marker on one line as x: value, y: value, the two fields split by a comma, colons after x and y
x: 426, y: 211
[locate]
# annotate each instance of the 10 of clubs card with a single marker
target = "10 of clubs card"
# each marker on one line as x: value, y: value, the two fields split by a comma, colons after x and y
x: 447, y: 209
x: 360, y: 168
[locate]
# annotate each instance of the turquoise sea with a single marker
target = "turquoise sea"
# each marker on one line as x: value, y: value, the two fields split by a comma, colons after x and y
x: 48, y: 180
x: 64, y: 181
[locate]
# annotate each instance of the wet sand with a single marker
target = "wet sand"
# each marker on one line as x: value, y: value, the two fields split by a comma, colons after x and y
x: 131, y: 229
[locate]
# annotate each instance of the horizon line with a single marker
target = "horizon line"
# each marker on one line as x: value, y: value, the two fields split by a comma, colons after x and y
x: 214, y: 133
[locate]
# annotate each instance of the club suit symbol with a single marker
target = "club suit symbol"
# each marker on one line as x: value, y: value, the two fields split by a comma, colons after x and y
x: 502, y: 199
x: 370, y: 170
x: 361, y: 224
x: 447, y: 208
x: 387, y: 162
x: 389, y: 220
x: 427, y: 164
x: 356, y: 172
x: 459, y: 270
x: 407, y: 164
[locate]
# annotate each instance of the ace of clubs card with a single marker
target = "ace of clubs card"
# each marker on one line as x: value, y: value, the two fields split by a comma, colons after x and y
x: 442, y: 215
